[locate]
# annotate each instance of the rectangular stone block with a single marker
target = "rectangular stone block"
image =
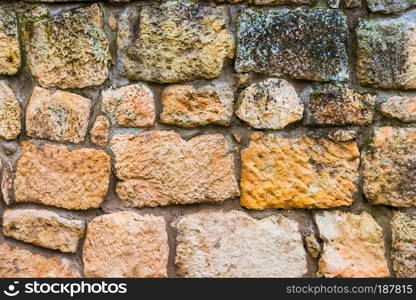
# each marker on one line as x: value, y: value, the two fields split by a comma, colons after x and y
x: 9, y: 43
x: 298, y: 172
x: 53, y: 175
x: 158, y: 168
x: 303, y: 44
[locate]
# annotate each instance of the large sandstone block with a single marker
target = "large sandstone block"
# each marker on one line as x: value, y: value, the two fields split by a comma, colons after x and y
x: 160, y: 168
x: 353, y: 245
x: 297, y: 172
x: 192, y: 106
x: 59, y: 116
x: 385, y: 54
x: 389, y: 167
x: 389, y: 6
x: 233, y: 244
x: 338, y: 105
x: 129, y: 106
x: 269, y: 104
x: 43, y: 228
x: 174, y: 41
x: 401, y: 108
x: 68, y: 49
x: 9, y: 113
x: 403, y: 255
x: 303, y: 44
x: 21, y: 263
x: 53, y: 175
x: 126, y: 244
x: 9, y: 43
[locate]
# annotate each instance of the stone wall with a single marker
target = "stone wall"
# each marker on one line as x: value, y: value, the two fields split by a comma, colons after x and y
x: 258, y: 138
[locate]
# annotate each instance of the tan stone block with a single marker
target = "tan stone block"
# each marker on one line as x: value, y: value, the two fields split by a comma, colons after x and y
x: 401, y: 108
x: 9, y: 113
x: 100, y: 130
x: 9, y: 43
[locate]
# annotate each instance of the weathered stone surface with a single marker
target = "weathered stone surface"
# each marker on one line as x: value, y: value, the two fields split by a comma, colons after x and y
x: 21, y: 263
x: 53, y: 175
x: 129, y: 106
x: 352, y: 3
x: 312, y: 245
x: 99, y: 131
x: 60, y: 116
x: 192, y: 106
x: 385, y: 54
x: 269, y: 104
x: 297, y: 172
x: 67, y: 50
x: 126, y: 244
x: 353, y: 245
x: 43, y: 228
x: 337, y: 105
x: 389, y: 6
x: 403, y: 255
x: 402, y: 108
x: 9, y: 43
x: 7, y: 182
x: 280, y: 2
x: 174, y: 41
x: 233, y: 244
x: 160, y: 168
x: 9, y: 113
x: 342, y: 135
x: 389, y: 167
x: 302, y: 44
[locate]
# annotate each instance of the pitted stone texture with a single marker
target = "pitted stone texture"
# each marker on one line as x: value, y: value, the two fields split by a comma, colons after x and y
x: 158, y: 168
x: 389, y: 6
x: 337, y: 105
x: 386, y: 52
x: 303, y: 44
x: 353, y: 245
x: 9, y: 43
x: 20, y: 263
x: 9, y: 113
x: 129, y: 106
x: 53, y: 175
x: 126, y: 244
x: 233, y: 244
x: 67, y: 50
x: 342, y: 135
x: 43, y: 228
x: 280, y: 2
x: 269, y: 104
x: 59, y: 116
x: 401, y: 108
x: 403, y: 256
x: 174, y: 41
x: 298, y: 172
x: 192, y: 106
x: 99, y: 131
x: 389, y: 167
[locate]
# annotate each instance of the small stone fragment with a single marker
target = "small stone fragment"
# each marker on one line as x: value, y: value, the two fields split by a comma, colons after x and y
x: 233, y: 244
x: 158, y: 168
x: 333, y: 3
x: 389, y: 170
x: 9, y: 112
x: 7, y: 182
x: 299, y: 172
x: 242, y: 80
x: 336, y: 105
x: 174, y: 41
x: 9, y: 43
x: 401, y: 108
x: 389, y: 6
x: 54, y: 175
x: 385, y: 54
x: 60, y: 116
x: 342, y: 135
x: 303, y: 44
x: 99, y: 131
x: 192, y: 106
x: 353, y: 245
x: 403, y: 227
x: 10, y: 147
x: 269, y: 104
x: 312, y: 245
x: 126, y: 244
x: 20, y: 263
x: 352, y: 3
x: 129, y: 106
x: 43, y: 228
x: 68, y: 49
